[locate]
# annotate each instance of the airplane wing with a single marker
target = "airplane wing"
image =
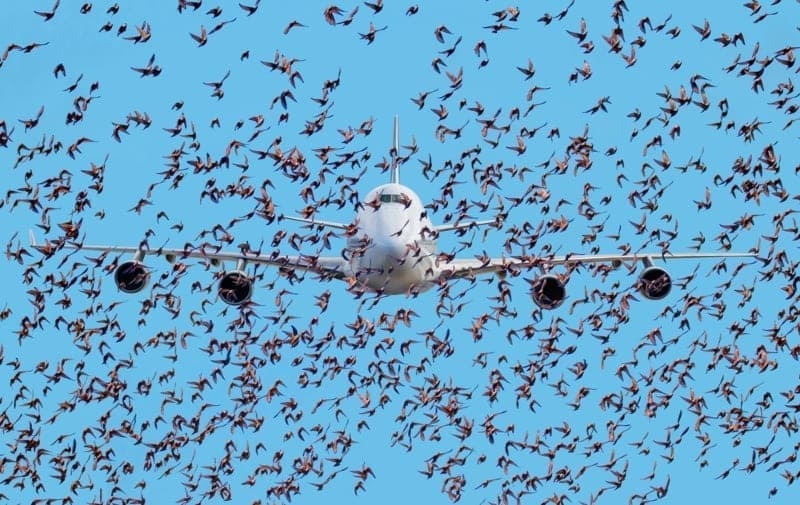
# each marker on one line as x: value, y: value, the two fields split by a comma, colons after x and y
x: 459, y: 226
x: 326, y: 266
x: 476, y: 266
x: 328, y: 224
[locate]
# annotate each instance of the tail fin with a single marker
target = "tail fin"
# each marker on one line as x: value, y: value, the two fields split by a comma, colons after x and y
x: 395, y: 151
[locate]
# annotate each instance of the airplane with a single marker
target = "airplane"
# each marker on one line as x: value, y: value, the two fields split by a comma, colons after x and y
x: 391, y: 249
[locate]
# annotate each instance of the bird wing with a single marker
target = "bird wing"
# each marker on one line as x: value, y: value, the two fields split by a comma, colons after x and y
x: 470, y: 267
x: 332, y: 267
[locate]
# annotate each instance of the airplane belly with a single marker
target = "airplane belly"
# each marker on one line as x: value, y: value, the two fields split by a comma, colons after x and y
x: 392, y: 268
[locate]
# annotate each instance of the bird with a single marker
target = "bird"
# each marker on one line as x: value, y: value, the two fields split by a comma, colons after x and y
x: 376, y: 7
x: 48, y: 15
x: 520, y: 147
x: 528, y: 71
x: 293, y: 24
x: 150, y: 69
x: 250, y: 9
x: 369, y: 36
x: 143, y: 33
x: 201, y: 38
x: 704, y: 31
x: 582, y: 33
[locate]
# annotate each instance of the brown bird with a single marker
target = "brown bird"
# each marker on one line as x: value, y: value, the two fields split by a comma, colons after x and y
x: 31, y: 123
x: 217, y: 85
x: 150, y: 69
x: 419, y: 101
x: 293, y: 24
x: 219, y: 26
x: 119, y: 128
x: 48, y: 15
x: 330, y: 14
x: 585, y: 71
x: 600, y: 105
x: 250, y: 9
x: 441, y: 112
x: 143, y: 33
x: 704, y: 31
x: 370, y: 35
x: 520, y: 147
x: 200, y: 38
x: 376, y: 7
x: 439, y: 33
x: 350, y: 16
x: 75, y: 147
x: 581, y: 34
x: 528, y: 71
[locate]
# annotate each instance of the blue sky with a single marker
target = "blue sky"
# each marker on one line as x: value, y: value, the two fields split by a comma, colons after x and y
x: 376, y: 82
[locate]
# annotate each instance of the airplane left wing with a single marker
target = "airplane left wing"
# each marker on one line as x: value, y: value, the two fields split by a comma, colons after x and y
x: 476, y: 266
x: 548, y: 291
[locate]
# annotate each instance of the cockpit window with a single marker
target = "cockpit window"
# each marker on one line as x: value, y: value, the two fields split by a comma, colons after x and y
x: 388, y: 198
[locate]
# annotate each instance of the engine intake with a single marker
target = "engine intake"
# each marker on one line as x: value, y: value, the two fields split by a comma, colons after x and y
x: 654, y: 283
x: 235, y: 287
x: 131, y: 276
x: 548, y: 291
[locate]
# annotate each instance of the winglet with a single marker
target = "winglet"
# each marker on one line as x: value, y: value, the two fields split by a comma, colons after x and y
x: 31, y: 237
x: 395, y: 151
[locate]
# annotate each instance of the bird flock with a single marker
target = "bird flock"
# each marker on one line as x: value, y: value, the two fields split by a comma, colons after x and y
x: 580, y: 127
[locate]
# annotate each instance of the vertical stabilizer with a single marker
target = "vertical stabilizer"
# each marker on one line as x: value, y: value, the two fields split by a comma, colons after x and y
x: 395, y: 151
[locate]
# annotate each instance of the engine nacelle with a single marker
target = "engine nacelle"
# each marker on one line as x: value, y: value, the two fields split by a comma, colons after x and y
x: 548, y: 291
x: 131, y: 276
x: 235, y: 287
x: 654, y: 283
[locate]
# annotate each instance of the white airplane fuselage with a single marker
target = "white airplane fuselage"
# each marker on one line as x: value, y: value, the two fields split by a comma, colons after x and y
x: 394, y: 248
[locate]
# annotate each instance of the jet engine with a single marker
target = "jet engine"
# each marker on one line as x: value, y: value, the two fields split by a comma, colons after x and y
x: 654, y: 283
x: 131, y: 276
x: 548, y: 291
x: 235, y: 287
